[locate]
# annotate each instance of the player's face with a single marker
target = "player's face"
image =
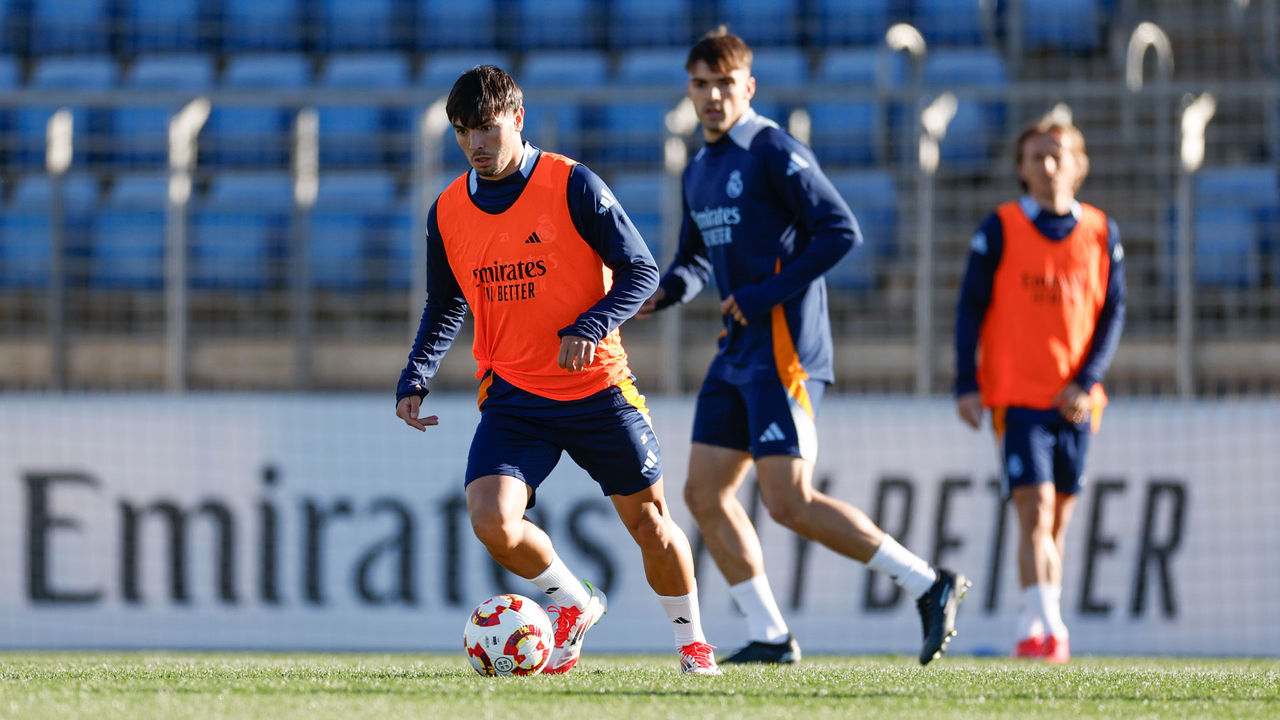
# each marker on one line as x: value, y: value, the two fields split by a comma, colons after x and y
x: 494, y: 149
x: 719, y: 98
x: 1051, y: 169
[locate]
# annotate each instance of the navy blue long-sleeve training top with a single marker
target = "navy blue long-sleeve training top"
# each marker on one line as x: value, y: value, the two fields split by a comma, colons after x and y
x: 760, y: 215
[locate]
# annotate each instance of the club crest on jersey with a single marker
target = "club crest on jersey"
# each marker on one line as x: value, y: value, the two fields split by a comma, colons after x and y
x: 733, y: 188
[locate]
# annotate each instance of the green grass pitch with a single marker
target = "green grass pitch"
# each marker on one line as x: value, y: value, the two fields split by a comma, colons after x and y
x: 316, y: 686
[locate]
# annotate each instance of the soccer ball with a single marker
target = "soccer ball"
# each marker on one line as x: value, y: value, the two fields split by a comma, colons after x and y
x: 508, y: 635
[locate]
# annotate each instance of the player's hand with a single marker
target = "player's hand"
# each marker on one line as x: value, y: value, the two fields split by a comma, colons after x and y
x: 730, y: 307
x: 1074, y: 403
x: 407, y: 410
x: 576, y: 352
x: 969, y: 408
x: 650, y: 306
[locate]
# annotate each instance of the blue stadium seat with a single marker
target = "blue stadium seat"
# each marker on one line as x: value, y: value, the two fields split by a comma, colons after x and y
x: 238, y: 232
x: 1251, y: 186
x: 70, y: 26
x: 1270, y: 224
x: 1074, y: 25
x: 855, y: 131
x: 1227, y: 246
x: 141, y: 133
x: 640, y: 194
x: 357, y: 135
x: 165, y: 26
x: 12, y: 27
x: 449, y: 24
x: 634, y: 129
x: 9, y: 73
x: 873, y: 197
x: 978, y: 128
x: 440, y: 70
x: 254, y: 135
x: 262, y: 25
x: 1234, y: 209
x: 391, y: 248
x: 127, y: 242
x: 840, y: 23
x: 778, y: 67
x: 555, y: 124
x: 558, y: 24
x: 651, y: 23
x: 90, y: 125
x: 954, y: 22
x: 349, y: 206
x: 763, y: 23
x: 775, y: 70
x: 363, y: 25
x: 9, y: 80
x: 80, y: 192
x: 25, y: 230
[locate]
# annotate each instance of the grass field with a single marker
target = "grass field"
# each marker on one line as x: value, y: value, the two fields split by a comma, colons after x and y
x: 348, y: 686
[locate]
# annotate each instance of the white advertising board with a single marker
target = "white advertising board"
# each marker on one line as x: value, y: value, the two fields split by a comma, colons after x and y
x: 299, y: 522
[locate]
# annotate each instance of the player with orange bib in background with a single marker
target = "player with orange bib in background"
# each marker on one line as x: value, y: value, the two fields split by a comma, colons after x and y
x: 546, y: 259
x: 1041, y: 310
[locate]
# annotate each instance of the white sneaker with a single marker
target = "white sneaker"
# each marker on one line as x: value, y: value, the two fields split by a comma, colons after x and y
x: 696, y: 659
x: 569, y: 625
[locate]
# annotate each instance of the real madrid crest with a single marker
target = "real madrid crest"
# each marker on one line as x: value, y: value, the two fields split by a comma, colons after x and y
x: 733, y: 188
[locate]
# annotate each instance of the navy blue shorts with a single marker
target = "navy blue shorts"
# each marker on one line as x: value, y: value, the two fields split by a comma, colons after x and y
x: 763, y: 417
x: 608, y: 435
x: 1038, y: 446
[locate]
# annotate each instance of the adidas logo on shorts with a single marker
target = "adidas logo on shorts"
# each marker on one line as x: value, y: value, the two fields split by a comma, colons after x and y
x: 773, y: 433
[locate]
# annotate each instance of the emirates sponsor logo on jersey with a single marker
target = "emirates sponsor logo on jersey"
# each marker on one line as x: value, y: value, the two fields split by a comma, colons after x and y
x: 1054, y: 288
x: 505, y: 282
x: 715, y: 224
x: 715, y: 217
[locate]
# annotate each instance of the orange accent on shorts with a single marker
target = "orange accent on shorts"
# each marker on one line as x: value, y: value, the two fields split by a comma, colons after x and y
x: 998, y: 421
x: 785, y: 357
x: 484, y: 390
x: 632, y: 395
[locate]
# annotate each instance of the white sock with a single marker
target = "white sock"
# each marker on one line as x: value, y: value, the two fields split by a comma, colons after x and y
x: 907, y: 569
x: 755, y: 600
x: 1029, y: 623
x: 1051, y: 611
x: 562, y: 586
x: 686, y: 620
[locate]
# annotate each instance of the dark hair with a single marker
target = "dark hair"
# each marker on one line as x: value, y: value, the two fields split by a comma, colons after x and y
x: 721, y: 50
x: 480, y: 94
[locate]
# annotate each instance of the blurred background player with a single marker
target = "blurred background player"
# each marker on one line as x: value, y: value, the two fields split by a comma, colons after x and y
x: 529, y: 241
x: 761, y: 216
x: 1041, y: 310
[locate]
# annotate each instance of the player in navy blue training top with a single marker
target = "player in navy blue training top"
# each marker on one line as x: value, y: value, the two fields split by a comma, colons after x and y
x: 762, y: 218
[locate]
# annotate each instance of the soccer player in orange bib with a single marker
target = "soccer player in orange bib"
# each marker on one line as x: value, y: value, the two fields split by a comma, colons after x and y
x: 1040, y: 314
x: 546, y: 259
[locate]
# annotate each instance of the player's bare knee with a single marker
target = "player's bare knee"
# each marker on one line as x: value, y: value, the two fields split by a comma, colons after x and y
x: 700, y: 500
x: 786, y: 510
x: 649, y: 527
x: 493, y: 530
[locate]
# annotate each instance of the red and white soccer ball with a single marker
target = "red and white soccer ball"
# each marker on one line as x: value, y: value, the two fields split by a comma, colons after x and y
x: 508, y: 635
